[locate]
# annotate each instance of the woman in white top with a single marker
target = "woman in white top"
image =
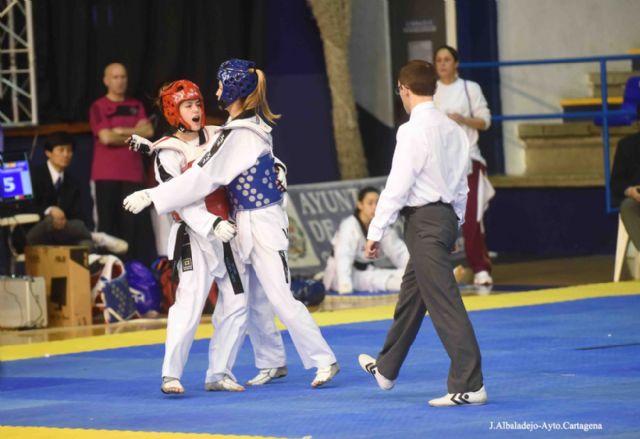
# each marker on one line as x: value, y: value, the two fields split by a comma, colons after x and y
x: 348, y: 269
x: 463, y: 101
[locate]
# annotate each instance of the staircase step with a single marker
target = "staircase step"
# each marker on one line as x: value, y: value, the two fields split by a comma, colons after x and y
x: 615, y: 82
x: 547, y: 130
x: 590, y: 102
x: 547, y: 181
x: 567, y: 149
x: 587, y: 104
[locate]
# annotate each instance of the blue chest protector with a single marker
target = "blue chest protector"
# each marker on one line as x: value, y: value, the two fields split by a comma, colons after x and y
x: 256, y: 187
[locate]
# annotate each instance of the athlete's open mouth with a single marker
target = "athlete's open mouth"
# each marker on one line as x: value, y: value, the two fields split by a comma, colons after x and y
x: 196, y: 119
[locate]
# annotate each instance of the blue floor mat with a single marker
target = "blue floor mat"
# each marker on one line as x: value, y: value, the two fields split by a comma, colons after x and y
x: 568, y: 365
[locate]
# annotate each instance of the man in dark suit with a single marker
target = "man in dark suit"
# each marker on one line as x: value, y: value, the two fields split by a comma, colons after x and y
x: 57, y: 201
x: 625, y: 184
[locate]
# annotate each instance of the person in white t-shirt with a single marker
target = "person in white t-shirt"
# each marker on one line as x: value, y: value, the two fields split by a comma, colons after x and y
x: 462, y: 100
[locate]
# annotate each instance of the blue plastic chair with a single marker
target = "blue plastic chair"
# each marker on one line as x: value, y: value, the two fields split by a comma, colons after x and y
x: 630, y: 103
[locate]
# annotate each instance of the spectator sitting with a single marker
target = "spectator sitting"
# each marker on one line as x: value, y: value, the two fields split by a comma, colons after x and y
x: 348, y: 269
x: 57, y: 201
x: 625, y: 185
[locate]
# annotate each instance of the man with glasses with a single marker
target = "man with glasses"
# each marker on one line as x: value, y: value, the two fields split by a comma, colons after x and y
x: 428, y: 185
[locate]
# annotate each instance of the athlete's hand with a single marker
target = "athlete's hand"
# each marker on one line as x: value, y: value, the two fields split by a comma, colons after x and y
x: 140, y: 144
x: 224, y: 230
x: 281, y: 178
x: 137, y: 201
x: 458, y: 118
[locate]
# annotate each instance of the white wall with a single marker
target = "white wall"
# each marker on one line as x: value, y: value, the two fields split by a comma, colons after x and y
x: 370, y: 58
x: 538, y: 29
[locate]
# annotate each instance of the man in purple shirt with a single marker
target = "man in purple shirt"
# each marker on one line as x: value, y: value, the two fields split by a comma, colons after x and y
x: 116, y: 171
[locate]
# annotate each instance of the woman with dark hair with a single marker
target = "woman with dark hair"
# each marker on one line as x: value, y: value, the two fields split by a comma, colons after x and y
x: 348, y: 268
x: 462, y: 100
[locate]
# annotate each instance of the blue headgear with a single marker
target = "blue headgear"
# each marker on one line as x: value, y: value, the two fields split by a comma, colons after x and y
x: 308, y: 291
x: 237, y: 81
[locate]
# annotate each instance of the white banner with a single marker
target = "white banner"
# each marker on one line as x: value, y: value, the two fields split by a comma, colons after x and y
x: 315, y: 212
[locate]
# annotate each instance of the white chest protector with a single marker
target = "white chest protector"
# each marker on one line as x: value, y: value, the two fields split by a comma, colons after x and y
x: 188, y: 150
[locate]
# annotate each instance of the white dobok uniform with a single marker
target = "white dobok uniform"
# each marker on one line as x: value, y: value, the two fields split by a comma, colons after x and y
x: 348, y: 269
x: 230, y: 318
x: 262, y: 240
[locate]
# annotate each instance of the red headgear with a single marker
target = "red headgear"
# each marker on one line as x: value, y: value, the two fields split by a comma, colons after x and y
x: 173, y: 95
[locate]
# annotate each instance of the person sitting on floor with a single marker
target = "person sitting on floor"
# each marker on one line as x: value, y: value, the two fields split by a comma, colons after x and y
x: 348, y: 269
x: 57, y: 201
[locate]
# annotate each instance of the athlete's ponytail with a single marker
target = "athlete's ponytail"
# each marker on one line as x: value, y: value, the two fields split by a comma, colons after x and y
x: 258, y: 99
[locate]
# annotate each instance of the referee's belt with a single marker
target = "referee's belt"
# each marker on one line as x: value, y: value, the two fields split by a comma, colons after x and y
x: 410, y: 210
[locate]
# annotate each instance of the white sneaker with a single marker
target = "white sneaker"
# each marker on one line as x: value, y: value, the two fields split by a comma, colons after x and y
x: 368, y: 364
x: 111, y: 243
x: 171, y: 385
x: 325, y: 374
x: 482, y: 278
x: 266, y: 375
x: 454, y: 399
x: 226, y: 384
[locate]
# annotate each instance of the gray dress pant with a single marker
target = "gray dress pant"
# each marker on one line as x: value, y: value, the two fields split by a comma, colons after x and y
x: 630, y: 213
x: 429, y: 284
x: 74, y: 232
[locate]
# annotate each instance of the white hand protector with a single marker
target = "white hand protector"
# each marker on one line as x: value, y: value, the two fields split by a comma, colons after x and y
x: 140, y: 144
x: 137, y: 201
x: 281, y: 179
x: 224, y: 230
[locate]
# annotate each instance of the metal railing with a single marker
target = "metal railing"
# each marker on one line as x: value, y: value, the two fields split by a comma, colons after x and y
x: 604, y: 113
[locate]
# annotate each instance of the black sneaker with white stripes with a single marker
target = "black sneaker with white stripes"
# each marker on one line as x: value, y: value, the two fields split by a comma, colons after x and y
x: 461, y: 399
x: 368, y: 364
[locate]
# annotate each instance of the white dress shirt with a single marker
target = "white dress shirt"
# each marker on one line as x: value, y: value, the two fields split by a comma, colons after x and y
x: 55, y: 175
x: 452, y: 98
x: 430, y: 164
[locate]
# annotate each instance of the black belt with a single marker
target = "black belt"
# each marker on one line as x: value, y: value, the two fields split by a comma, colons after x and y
x: 232, y: 270
x: 361, y: 266
x: 182, y: 251
x: 410, y: 210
